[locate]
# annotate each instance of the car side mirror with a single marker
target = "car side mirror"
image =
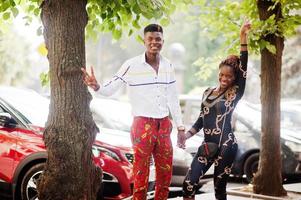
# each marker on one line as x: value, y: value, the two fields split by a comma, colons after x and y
x: 6, y: 119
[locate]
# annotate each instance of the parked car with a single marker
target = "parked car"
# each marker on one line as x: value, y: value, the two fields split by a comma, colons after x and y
x: 247, y: 129
x: 23, y: 114
x: 117, y: 115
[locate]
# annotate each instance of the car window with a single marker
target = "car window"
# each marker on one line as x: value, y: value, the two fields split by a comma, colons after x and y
x: 1, y: 110
x: 290, y: 119
x: 12, y: 122
x: 112, y: 114
x: 240, y: 127
x: 28, y: 104
x: 190, y: 110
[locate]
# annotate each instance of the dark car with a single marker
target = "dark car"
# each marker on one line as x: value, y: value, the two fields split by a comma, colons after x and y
x: 247, y: 129
x: 22, y: 151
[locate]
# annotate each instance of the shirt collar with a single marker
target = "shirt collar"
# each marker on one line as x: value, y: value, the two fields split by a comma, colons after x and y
x: 143, y: 60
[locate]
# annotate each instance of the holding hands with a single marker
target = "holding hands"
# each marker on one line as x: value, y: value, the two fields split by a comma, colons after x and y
x: 90, y: 80
x: 181, y: 139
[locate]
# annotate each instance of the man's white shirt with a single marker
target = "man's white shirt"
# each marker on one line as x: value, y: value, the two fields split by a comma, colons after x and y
x: 150, y: 94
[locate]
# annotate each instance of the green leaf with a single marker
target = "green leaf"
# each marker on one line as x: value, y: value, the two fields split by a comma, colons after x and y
x: 30, y: 8
x: 139, y: 39
x: 164, y: 22
x: 130, y: 32
x: 44, y: 78
x: 6, y: 15
x: 271, y: 48
x: 15, y: 11
x: 36, y: 11
x: 135, y: 23
x: 117, y: 34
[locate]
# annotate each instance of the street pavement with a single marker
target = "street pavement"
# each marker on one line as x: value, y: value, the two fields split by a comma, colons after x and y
x: 207, y: 193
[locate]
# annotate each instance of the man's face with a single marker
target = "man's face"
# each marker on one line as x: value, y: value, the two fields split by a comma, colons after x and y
x: 153, y: 42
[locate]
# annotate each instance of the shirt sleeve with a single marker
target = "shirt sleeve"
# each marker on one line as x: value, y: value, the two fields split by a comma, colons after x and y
x: 119, y: 79
x: 242, y: 73
x: 173, y: 99
x: 198, y: 124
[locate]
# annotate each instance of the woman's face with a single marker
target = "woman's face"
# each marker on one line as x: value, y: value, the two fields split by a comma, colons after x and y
x: 226, y: 76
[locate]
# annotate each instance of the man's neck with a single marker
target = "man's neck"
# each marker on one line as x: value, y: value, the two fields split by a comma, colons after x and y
x: 153, y: 59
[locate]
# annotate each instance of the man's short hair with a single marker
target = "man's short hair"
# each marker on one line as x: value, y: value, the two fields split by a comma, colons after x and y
x: 153, y: 28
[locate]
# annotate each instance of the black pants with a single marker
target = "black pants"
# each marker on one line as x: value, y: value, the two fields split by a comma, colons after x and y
x: 222, y: 169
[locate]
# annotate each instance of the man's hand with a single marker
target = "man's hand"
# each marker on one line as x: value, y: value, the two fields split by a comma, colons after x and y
x: 181, y: 139
x: 90, y: 80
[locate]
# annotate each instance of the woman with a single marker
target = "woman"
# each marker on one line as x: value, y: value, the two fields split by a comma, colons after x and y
x: 215, y: 118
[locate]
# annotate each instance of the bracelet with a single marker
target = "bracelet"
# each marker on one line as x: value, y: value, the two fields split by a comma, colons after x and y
x: 97, y: 88
x: 243, y: 45
x: 190, y: 132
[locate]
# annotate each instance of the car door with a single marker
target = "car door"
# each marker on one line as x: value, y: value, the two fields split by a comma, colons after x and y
x: 8, y: 140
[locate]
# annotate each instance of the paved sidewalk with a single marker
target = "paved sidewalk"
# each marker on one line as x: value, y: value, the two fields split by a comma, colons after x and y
x: 210, y: 196
x: 294, y: 193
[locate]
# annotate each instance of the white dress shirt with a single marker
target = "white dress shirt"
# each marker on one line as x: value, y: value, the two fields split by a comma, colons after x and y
x: 150, y: 94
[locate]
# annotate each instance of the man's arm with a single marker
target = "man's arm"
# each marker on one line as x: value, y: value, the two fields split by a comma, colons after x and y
x: 112, y: 86
x: 175, y: 109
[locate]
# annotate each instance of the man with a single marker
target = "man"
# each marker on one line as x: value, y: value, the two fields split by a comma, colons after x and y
x: 152, y: 92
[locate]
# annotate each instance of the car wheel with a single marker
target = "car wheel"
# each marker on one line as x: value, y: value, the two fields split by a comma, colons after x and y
x: 100, y: 193
x: 251, y: 166
x: 29, y: 182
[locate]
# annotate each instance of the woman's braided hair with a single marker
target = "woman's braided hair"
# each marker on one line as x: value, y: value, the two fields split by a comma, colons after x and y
x: 232, y: 61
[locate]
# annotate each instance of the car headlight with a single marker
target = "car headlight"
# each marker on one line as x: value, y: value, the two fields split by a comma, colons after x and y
x: 294, y: 146
x: 96, y: 150
x: 130, y: 157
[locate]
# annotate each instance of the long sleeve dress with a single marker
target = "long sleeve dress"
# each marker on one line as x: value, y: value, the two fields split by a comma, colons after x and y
x: 215, y: 120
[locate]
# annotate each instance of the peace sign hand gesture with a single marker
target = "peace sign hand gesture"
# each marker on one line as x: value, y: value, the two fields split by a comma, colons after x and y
x: 90, y: 80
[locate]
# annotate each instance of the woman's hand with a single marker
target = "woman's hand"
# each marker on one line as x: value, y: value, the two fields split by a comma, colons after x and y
x: 245, y: 28
x: 90, y: 80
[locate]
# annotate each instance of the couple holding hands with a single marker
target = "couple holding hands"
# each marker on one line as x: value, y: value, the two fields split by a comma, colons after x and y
x: 151, y: 83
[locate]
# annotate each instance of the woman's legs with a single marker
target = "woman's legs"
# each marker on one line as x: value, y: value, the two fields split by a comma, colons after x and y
x: 222, y: 170
x: 198, y: 168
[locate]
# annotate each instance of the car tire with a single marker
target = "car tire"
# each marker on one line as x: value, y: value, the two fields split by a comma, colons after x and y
x: 251, y: 166
x: 29, y: 182
x: 100, y: 192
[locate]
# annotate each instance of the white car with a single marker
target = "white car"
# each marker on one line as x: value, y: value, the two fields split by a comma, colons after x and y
x: 113, y: 114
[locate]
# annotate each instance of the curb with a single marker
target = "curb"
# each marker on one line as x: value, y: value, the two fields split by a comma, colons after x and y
x: 239, y: 191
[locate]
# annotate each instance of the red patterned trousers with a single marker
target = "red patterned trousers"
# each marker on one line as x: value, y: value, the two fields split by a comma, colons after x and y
x: 151, y: 137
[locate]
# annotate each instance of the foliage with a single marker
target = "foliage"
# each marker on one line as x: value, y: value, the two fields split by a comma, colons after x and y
x: 120, y: 17
x: 221, y: 20
x: 123, y: 17
x: 14, y: 61
x: 227, y: 16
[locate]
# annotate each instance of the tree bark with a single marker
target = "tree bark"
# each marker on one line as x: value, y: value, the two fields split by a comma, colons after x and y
x: 268, y: 179
x: 70, y: 173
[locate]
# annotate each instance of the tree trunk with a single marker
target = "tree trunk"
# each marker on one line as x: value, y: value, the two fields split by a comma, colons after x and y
x: 268, y: 179
x: 70, y: 173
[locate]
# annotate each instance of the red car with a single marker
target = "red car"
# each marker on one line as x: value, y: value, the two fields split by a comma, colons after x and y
x: 23, y: 113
